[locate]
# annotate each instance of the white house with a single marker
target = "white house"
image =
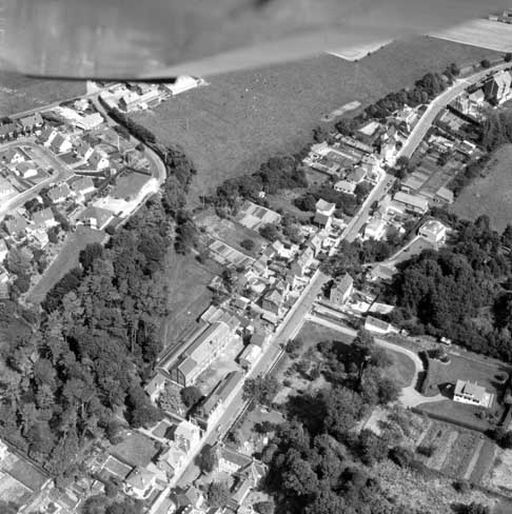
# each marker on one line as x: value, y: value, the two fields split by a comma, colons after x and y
x: 27, y: 169
x: 61, y: 144
x: 472, y: 393
x: 434, y: 231
x: 3, y: 250
x: 98, y: 161
x: 412, y: 203
x: 183, y: 83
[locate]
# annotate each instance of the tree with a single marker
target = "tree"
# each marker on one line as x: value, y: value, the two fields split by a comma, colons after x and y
x: 269, y: 232
x: 344, y: 409
x: 89, y: 254
x: 207, y: 459
x: 191, y: 395
x: 260, y: 390
x: 475, y: 508
x: 248, y: 244
x: 485, y: 63
x: 218, y: 494
x: 507, y: 57
x: 264, y: 507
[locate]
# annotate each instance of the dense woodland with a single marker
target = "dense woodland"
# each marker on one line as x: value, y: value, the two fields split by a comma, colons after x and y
x: 318, y: 463
x: 97, y: 339
x: 463, y: 291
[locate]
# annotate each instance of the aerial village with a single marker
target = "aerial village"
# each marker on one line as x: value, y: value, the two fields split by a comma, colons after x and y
x: 69, y: 166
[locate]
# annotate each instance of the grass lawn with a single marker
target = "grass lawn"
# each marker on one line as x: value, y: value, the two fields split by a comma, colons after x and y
x: 65, y: 261
x: 491, y: 194
x: 458, y: 412
x: 231, y: 126
x: 464, y: 368
x: 19, y: 93
x: 189, y: 296
x: 401, y: 370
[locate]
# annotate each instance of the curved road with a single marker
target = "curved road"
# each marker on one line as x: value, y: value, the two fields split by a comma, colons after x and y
x: 438, y: 104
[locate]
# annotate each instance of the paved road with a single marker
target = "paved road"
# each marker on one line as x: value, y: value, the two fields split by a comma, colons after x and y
x: 438, y: 104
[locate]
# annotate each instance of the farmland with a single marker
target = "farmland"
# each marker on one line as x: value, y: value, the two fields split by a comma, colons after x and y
x: 481, y: 33
x: 490, y: 194
x: 229, y: 127
x: 19, y: 93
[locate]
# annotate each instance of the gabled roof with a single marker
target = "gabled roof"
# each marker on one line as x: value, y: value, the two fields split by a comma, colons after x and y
x: 43, y: 216
x: 323, y: 205
x: 345, y: 283
x: 7, y: 128
x: 82, y: 184
x: 58, y: 192
x: 30, y: 121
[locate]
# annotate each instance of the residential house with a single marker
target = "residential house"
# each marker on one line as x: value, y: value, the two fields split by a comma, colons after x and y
x: 285, y: 250
x: 412, y: 203
x: 341, y: 291
x: 445, y: 195
x: 13, y: 156
x: 15, y: 225
x: 477, y: 98
x: 41, y: 237
x: 345, y: 186
x: 369, y: 132
x: 98, y: 161
x: 30, y: 123
x: 249, y: 356
x: 211, y: 409
x: 3, y: 250
x: 8, y: 131
x: 201, y: 352
x: 378, y: 326
x: 316, y: 244
x: 96, y: 217
x: 47, y: 136
x: 382, y: 272
x: 388, y: 150
x: 27, y: 169
x: 273, y: 301
x: 375, y: 229
x: 42, y: 219
x: 303, y: 261
x: 81, y: 187
x: 84, y: 150
x: 192, y: 497
x: 61, y: 144
x: 59, y: 193
x: 155, y: 386
x: 140, y: 483
x: 434, y: 231
x: 472, y: 393
x: 89, y: 121
x: 497, y: 88
x: 260, y: 338
x: 324, y: 213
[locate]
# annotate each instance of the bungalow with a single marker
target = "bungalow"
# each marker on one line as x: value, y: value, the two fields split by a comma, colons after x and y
x: 61, y: 144
x: 29, y: 123
x: 412, y: 203
x: 8, y: 131
x: 434, y: 231
x: 344, y: 186
x: 341, y: 291
x: 472, y: 393
x: 59, y: 193
x: 96, y: 217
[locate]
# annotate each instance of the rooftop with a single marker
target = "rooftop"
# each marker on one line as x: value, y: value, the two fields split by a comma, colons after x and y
x: 467, y: 388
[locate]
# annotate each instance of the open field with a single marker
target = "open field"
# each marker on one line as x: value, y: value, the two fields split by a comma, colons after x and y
x: 65, y: 261
x: 482, y: 33
x: 491, y: 194
x: 401, y: 370
x: 230, y: 127
x: 19, y: 93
